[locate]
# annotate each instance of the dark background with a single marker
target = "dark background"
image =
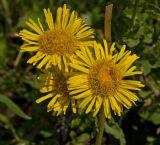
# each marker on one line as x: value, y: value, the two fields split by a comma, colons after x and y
x: 135, y: 23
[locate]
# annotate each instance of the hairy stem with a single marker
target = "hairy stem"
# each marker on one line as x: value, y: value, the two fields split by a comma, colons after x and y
x: 101, y: 127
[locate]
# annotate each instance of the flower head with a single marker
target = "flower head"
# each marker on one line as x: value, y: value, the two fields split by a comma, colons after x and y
x: 59, y: 42
x: 104, y: 79
x: 54, y: 85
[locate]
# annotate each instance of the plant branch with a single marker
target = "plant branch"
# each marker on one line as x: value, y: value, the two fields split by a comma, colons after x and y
x: 134, y: 12
x: 150, y: 86
x: 18, y: 59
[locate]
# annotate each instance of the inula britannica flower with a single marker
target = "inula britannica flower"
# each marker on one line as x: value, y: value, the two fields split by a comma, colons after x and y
x: 59, y: 42
x: 54, y: 85
x: 103, y: 79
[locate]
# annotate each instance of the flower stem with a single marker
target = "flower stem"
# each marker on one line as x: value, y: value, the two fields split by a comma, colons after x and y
x: 107, y: 35
x: 101, y: 127
x: 107, y: 24
x: 134, y: 12
x: 18, y: 59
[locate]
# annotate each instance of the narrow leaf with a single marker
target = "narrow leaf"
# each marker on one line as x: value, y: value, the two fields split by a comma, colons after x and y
x: 11, y: 105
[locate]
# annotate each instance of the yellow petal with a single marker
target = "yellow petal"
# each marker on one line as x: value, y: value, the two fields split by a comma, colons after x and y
x: 43, y: 62
x: 91, y: 105
x: 31, y: 48
x: 84, y: 102
x: 80, y: 68
x: 114, y: 105
x: 124, y: 101
x: 65, y: 16
x: 44, y: 98
x: 51, y: 103
x: 49, y: 18
x: 97, y: 105
x: 131, y: 96
x: 84, y: 58
x: 36, y: 57
x: 34, y: 26
x: 73, y: 104
x: 77, y: 91
x: 83, y: 95
x: 107, y: 109
x: 58, y: 18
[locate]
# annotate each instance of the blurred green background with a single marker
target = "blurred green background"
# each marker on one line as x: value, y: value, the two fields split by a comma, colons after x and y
x: 135, y: 23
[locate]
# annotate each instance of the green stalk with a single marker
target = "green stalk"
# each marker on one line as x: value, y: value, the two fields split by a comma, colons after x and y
x: 107, y: 35
x: 134, y: 12
x: 101, y: 127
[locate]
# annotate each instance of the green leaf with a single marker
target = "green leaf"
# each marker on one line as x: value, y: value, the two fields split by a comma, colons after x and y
x: 151, y: 115
x: 157, y: 64
x: 148, y: 38
x: 114, y: 129
x: 75, y: 122
x: 46, y: 134
x: 155, y: 118
x: 5, y: 5
x: 72, y: 134
x: 132, y: 42
x: 2, y: 49
x: 146, y: 66
x: 144, y: 94
x: 11, y: 105
x: 81, y: 140
x: 4, y: 119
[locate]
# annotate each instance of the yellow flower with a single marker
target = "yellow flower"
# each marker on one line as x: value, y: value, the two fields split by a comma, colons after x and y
x: 54, y: 85
x: 103, y: 79
x: 59, y: 42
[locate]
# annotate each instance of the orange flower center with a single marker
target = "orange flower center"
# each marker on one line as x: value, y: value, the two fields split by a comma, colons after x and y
x: 104, y: 78
x: 58, y: 42
x: 60, y: 83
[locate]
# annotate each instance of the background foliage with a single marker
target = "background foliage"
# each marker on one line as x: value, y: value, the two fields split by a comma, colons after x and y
x: 135, y: 23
